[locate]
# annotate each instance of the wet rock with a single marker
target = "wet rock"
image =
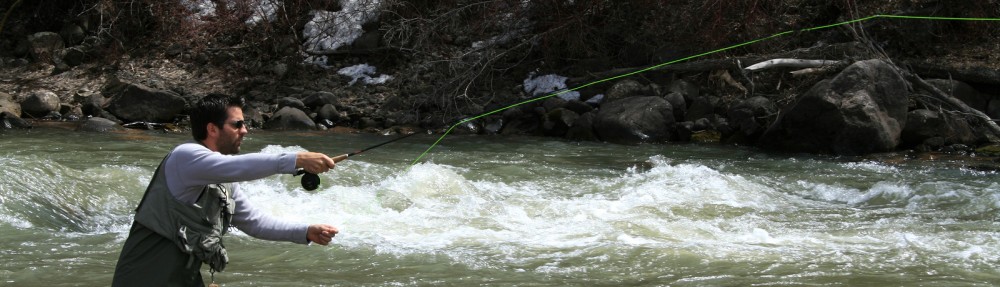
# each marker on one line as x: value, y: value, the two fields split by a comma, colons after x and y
x: 99, y: 125
x: 10, y: 121
x: 862, y: 110
x: 634, y: 120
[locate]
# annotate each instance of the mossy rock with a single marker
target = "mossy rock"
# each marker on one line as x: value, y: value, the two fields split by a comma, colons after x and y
x: 990, y: 150
x: 706, y: 136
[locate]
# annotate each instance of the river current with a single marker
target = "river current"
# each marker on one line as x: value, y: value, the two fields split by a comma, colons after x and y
x: 508, y: 211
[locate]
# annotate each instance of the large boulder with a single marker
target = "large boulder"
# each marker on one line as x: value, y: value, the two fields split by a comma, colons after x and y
x: 40, y: 103
x: 138, y: 103
x: 634, y: 120
x: 289, y: 118
x: 861, y: 110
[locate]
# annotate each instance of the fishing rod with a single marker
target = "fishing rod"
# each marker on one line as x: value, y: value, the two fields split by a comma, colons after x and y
x: 310, y: 181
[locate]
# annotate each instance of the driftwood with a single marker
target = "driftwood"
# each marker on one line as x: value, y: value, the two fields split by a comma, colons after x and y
x: 792, y: 63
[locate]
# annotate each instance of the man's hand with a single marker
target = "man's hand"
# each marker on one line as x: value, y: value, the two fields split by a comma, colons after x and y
x: 314, y: 162
x: 321, y: 234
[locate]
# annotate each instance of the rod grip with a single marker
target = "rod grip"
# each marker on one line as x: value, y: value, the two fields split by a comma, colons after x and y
x: 340, y: 158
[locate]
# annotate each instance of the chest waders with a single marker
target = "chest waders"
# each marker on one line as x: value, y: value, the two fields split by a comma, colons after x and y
x: 197, y: 228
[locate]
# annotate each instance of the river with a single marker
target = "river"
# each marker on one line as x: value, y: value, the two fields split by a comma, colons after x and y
x: 510, y: 211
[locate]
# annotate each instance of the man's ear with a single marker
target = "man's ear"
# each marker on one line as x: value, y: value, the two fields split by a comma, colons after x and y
x: 212, y: 129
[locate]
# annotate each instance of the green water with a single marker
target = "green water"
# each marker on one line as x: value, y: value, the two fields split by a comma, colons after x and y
x: 491, y: 211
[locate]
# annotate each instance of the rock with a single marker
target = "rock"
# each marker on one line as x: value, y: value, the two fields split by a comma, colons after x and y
x: 43, y: 45
x: 678, y: 104
x: 862, y: 110
x: 328, y: 112
x: 71, y: 112
x: 93, y: 104
x: 523, y: 120
x: 751, y: 117
x: 583, y: 128
x: 72, y: 34
x: 73, y: 56
x: 291, y: 102
x: 558, y: 121
x: 40, y: 103
x: 634, y: 120
x: 319, y: 99
x: 7, y: 104
x: 578, y: 107
x: 99, y: 125
x: 10, y: 121
x: 138, y: 103
x: 289, y: 118
x: 683, y: 131
x: 924, y: 124
x: 253, y: 116
x: 686, y: 89
x: 993, y: 109
x: 701, y: 107
x: 625, y: 89
x: 554, y: 103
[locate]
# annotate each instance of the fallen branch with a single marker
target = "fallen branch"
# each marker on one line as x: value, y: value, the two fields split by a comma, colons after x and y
x: 792, y: 63
x: 961, y: 106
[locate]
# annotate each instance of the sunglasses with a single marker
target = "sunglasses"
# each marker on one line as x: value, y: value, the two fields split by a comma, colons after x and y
x: 238, y: 124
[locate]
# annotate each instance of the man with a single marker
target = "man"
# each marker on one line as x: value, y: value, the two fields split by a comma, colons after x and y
x: 193, y: 198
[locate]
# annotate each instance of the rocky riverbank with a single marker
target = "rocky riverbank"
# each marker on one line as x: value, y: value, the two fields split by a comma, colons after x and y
x: 859, y: 102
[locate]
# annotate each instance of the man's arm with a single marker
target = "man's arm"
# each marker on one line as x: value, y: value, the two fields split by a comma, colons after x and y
x: 255, y: 223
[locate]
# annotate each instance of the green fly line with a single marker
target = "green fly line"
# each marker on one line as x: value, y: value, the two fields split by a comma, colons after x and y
x: 689, y: 58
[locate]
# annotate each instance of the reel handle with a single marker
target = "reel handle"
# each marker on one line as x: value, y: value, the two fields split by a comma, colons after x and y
x: 310, y: 181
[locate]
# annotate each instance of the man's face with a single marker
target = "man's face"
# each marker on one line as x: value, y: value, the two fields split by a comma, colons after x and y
x: 231, y: 136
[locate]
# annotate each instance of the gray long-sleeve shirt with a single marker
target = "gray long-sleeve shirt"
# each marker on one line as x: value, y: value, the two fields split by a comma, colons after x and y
x: 191, y: 166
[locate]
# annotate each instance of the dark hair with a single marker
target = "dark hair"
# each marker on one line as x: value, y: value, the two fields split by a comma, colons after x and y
x: 211, y: 109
